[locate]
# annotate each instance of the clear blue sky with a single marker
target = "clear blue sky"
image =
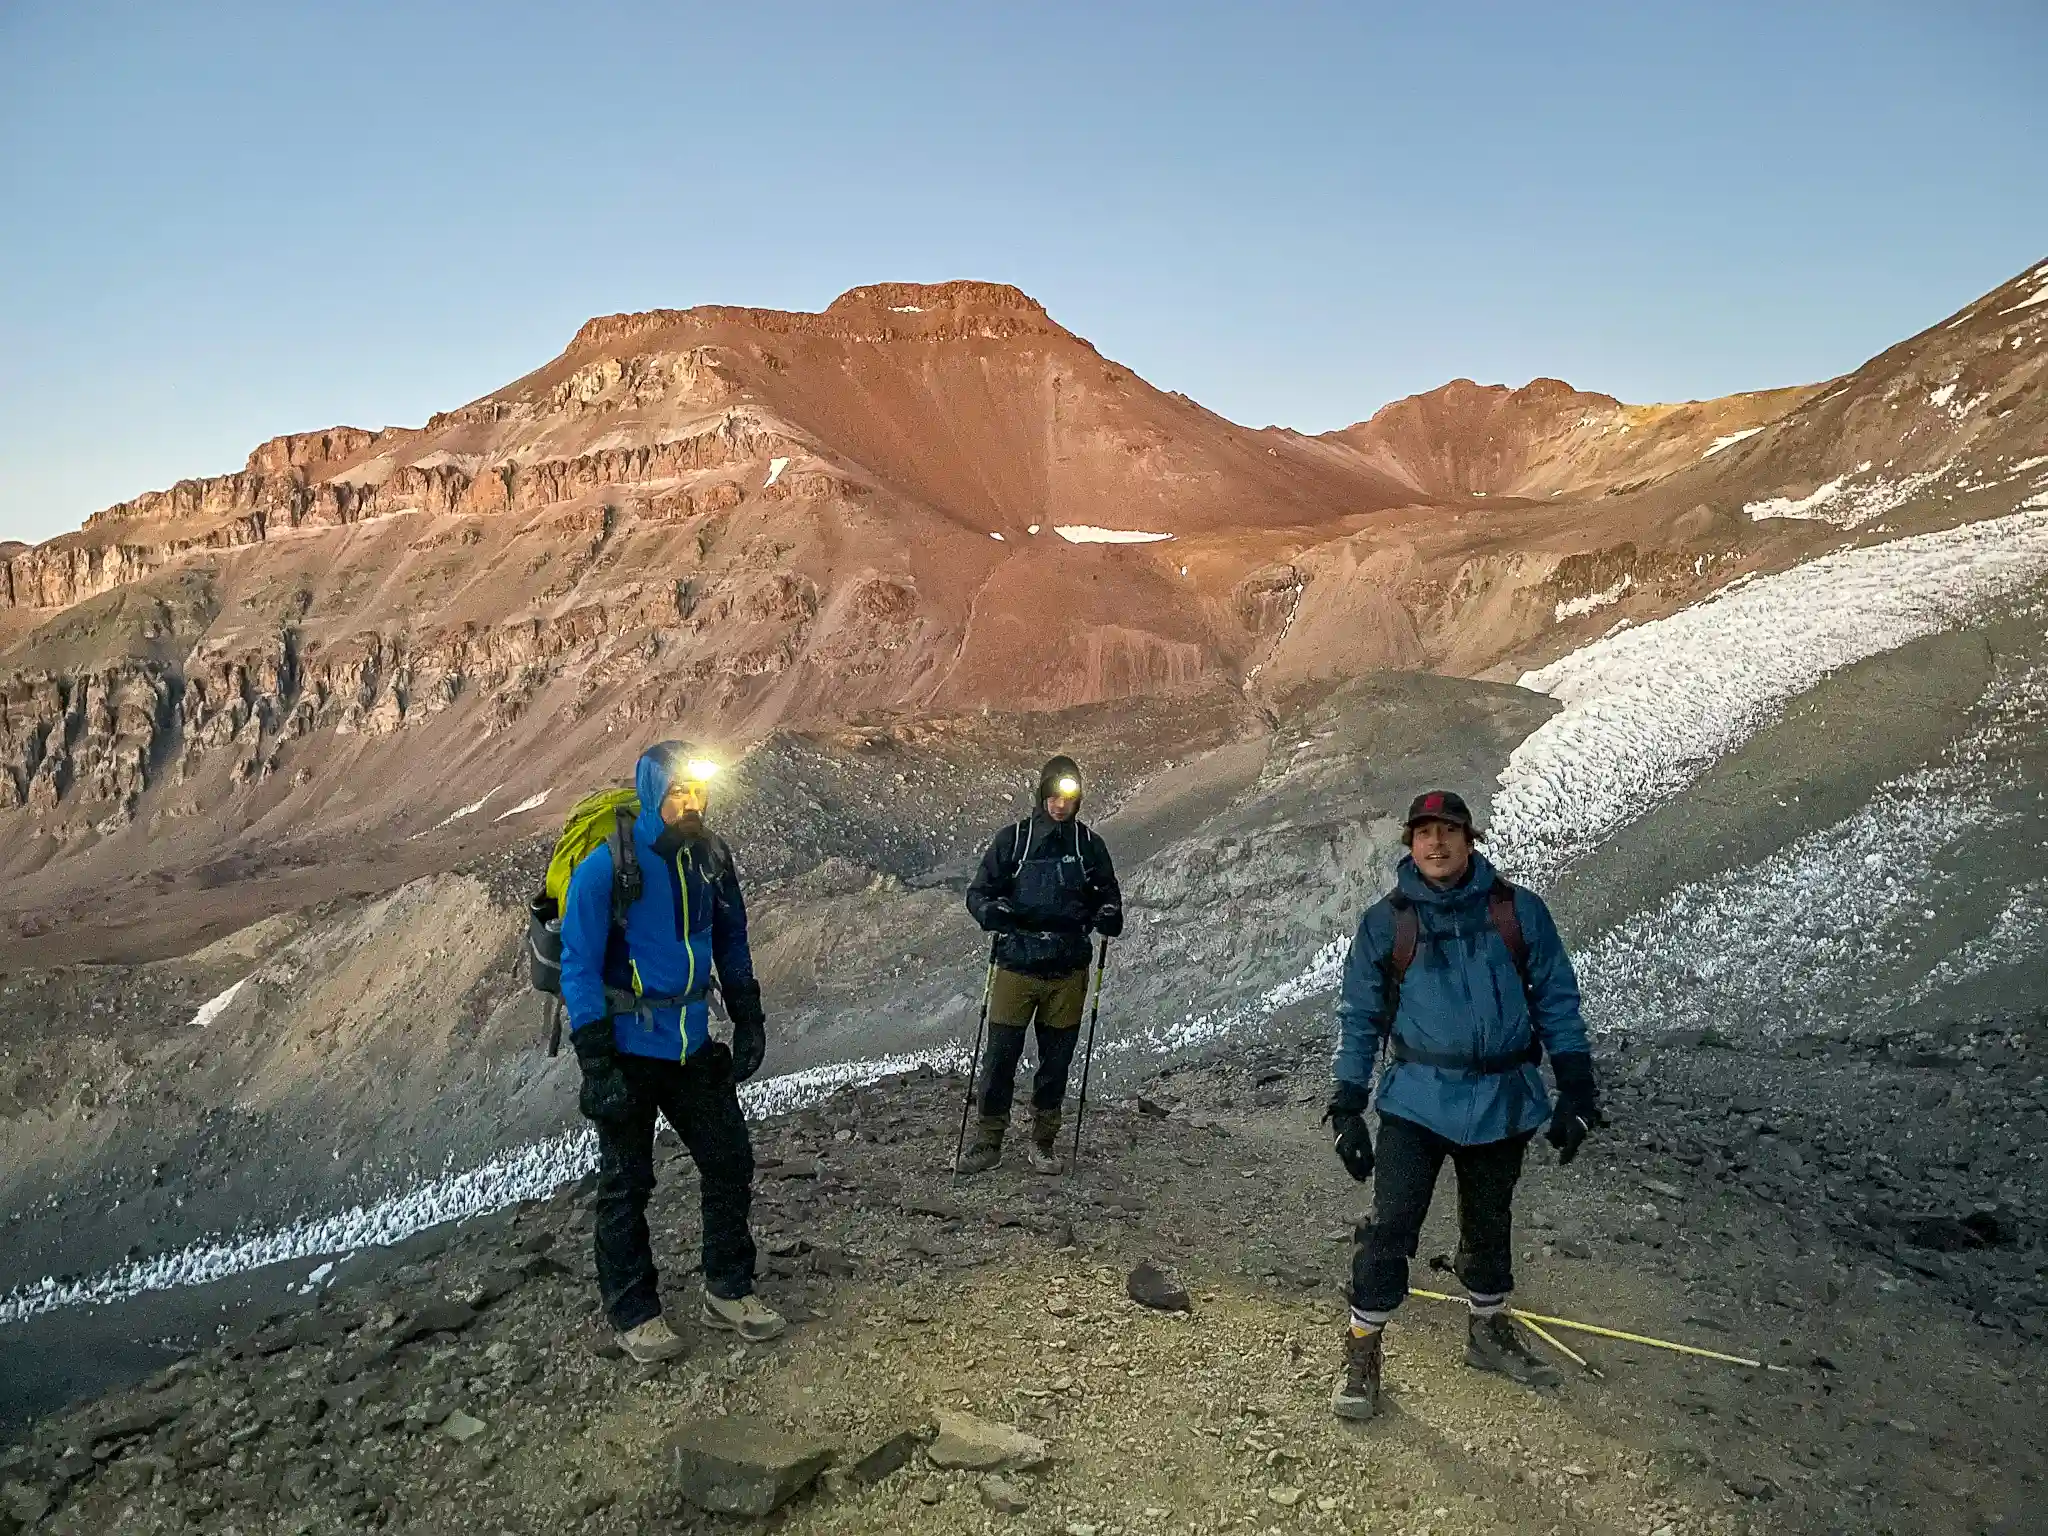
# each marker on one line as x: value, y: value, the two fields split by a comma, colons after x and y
x: 221, y: 222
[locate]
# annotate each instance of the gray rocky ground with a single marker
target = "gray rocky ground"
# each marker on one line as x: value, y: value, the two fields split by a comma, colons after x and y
x: 470, y: 1387
x: 1818, y: 980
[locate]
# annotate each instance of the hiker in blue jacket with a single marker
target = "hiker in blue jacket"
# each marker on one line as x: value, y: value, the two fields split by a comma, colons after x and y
x: 1464, y: 980
x: 640, y: 1023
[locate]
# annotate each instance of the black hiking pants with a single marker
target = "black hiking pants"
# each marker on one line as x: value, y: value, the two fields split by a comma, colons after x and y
x: 1408, y: 1158
x: 698, y: 1099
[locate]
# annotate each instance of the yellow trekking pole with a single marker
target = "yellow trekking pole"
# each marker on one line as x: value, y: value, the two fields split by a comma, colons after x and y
x: 1533, y: 1319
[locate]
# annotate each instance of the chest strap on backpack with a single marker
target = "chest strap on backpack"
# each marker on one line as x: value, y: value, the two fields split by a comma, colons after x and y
x: 1500, y: 910
x: 644, y: 1005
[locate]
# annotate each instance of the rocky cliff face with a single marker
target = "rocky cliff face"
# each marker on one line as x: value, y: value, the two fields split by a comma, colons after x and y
x: 722, y: 520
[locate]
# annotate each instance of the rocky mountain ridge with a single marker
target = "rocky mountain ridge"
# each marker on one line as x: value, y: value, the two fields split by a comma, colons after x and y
x: 731, y: 520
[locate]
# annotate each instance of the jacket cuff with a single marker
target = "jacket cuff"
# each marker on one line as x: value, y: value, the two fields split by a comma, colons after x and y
x: 1350, y: 1098
x: 1574, y: 1072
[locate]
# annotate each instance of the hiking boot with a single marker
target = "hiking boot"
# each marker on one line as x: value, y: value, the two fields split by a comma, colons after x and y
x: 1492, y: 1343
x: 1045, y: 1142
x: 749, y: 1316
x: 986, y: 1149
x: 1357, y: 1394
x: 652, y: 1342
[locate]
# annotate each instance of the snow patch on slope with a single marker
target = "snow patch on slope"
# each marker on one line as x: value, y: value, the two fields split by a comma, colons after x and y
x: 468, y: 810
x: 1083, y: 533
x: 530, y: 1172
x: 1846, y: 505
x: 217, y: 1005
x: 1572, y: 607
x: 530, y: 803
x: 1826, y: 930
x: 1730, y: 440
x: 1651, y: 708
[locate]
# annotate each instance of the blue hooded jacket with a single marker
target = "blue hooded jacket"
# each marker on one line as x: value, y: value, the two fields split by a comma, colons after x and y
x: 690, y: 917
x: 1461, y: 995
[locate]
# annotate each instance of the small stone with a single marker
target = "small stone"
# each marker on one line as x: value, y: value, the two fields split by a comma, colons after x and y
x: 141, y: 1420
x: 594, y: 1503
x: 1286, y: 1498
x: 461, y: 1427
x: 1060, y: 1306
x: 976, y: 1445
x: 495, y: 1286
x: 1151, y: 1286
x: 742, y: 1464
x: 929, y: 1493
x: 1005, y: 1498
x: 436, y: 1317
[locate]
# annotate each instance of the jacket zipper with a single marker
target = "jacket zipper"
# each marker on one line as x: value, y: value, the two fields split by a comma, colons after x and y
x: 689, y: 949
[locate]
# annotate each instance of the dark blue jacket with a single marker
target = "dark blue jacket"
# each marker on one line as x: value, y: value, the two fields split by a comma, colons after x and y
x: 690, y: 917
x: 1461, y: 995
x: 1058, y: 881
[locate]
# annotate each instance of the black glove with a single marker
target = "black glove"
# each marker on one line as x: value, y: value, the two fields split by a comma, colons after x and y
x: 1108, y: 920
x: 1346, y: 1115
x: 749, y: 1028
x: 1002, y: 915
x: 1578, y: 1104
x: 606, y: 1095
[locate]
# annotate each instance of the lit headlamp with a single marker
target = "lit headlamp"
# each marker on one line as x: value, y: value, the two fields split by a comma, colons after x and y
x: 700, y: 770
x: 1068, y: 786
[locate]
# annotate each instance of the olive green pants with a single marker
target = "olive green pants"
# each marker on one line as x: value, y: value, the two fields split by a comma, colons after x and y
x: 1015, y: 1002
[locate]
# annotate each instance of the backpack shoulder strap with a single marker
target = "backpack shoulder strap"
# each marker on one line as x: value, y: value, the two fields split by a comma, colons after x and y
x: 1407, y: 935
x: 1500, y: 906
x: 625, y: 866
x: 1020, y: 845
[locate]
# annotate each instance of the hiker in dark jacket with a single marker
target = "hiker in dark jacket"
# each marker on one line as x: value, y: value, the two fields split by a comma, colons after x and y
x: 639, y: 1020
x: 1463, y: 978
x: 1043, y: 885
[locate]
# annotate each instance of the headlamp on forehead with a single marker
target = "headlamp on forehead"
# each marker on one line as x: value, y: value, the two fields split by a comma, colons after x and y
x: 1068, y: 786
x: 700, y: 770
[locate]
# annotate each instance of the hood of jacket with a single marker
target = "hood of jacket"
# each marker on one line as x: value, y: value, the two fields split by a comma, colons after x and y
x: 659, y: 767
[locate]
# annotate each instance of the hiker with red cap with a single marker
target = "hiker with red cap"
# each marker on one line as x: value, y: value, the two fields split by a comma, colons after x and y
x: 1461, y: 977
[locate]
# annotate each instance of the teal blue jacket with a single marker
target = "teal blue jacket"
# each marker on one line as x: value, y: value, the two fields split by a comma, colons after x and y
x: 1461, y: 996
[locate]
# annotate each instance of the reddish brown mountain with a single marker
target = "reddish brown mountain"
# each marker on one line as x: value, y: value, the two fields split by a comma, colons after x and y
x: 1546, y: 438
x: 725, y: 521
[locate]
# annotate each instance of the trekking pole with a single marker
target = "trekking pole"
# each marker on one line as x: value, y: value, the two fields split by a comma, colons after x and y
x: 1088, y: 1050
x: 988, y: 987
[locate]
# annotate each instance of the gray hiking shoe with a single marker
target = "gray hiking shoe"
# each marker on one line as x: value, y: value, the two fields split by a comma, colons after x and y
x: 1044, y: 1156
x: 1357, y: 1394
x: 986, y: 1149
x: 652, y: 1342
x: 750, y: 1317
x: 1492, y: 1343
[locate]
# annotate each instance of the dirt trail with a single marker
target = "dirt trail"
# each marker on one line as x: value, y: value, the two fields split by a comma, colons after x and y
x: 912, y: 1292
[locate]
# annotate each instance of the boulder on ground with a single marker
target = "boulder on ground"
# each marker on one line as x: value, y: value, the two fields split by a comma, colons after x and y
x: 742, y: 1464
x: 1151, y: 1286
x: 976, y: 1445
